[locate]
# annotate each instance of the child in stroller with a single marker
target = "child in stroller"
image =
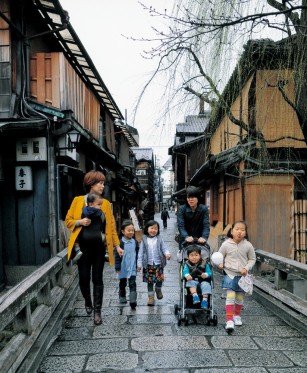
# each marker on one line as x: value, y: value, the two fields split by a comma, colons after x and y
x: 197, y: 274
x: 196, y: 282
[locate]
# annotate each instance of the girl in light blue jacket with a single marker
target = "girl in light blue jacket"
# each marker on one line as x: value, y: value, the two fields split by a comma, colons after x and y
x: 125, y: 265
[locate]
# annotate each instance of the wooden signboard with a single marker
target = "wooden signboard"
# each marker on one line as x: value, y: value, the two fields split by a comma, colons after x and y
x: 137, y: 230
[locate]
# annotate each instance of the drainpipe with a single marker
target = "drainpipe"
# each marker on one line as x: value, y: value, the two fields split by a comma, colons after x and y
x: 51, y: 196
x: 58, y: 200
x: 224, y: 202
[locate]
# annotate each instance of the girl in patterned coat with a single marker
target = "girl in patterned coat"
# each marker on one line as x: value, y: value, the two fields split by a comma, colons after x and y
x: 152, y: 257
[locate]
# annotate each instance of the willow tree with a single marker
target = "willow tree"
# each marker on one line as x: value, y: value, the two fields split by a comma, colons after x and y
x: 205, y: 39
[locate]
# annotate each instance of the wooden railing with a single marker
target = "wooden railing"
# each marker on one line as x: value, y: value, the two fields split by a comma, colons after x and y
x: 27, y: 307
x: 278, y: 292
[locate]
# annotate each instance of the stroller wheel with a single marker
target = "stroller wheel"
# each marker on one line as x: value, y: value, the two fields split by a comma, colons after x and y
x: 186, y: 321
x: 214, y: 320
x: 176, y: 309
x: 179, y: 321
x: 208, y: 320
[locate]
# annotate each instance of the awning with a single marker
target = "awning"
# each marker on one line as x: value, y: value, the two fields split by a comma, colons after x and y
x: 220, y: 162
x: 127, y: 191
x: 27, y: 125
x: 179, y: 193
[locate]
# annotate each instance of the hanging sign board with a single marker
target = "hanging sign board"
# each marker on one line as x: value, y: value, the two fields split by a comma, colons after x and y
x: 23, y: 178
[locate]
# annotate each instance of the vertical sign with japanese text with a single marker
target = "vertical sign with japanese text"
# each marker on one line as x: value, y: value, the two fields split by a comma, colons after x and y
x: 23, y: 177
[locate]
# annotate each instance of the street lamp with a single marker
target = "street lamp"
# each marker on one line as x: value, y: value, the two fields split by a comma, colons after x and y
x: 67, y: 144
x: 69, y: 141
x: 73, y: 138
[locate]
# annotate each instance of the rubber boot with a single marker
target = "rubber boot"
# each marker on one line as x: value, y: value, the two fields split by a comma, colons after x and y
x: 132, y: 299
x: 98, y: 295
x: 159, y: 293
x: 86, y: 292
x: 122, y: 296
x: 151, y: 298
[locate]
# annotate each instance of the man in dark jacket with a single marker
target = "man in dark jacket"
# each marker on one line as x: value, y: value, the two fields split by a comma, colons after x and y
x: 193, y: 219
x: 164, y: 217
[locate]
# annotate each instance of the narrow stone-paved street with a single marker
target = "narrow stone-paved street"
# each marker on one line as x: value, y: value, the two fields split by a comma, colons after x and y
x: 149, y: 339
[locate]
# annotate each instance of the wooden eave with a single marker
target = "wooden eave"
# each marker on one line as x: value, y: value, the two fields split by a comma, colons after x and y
x: 125, y: 131
x: 188, y: 144
x: 222, y: 161
x: 53, y: 15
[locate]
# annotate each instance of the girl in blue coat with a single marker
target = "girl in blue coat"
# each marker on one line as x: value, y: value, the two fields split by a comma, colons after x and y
x: 125, y: 266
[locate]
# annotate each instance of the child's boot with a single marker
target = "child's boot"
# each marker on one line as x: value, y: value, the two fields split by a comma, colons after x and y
x: 132, y: 298
x: 122, y: 296
x: 151, y: 298
x: 159, y: 292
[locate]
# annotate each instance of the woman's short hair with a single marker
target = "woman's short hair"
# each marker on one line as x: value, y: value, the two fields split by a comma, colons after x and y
x: 91, y: 178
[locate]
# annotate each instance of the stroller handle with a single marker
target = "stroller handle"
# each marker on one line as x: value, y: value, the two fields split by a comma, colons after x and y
x: 195, y: 241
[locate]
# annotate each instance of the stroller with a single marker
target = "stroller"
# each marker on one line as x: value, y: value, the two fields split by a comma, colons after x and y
x: 186, y: 310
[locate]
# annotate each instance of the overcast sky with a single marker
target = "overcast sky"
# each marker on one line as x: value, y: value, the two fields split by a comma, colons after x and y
x: 100, y: 25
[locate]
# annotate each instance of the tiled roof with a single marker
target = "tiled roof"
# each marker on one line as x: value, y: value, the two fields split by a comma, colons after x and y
x: 143, y: 153
x: 168, y: 163
x: 194, y: 124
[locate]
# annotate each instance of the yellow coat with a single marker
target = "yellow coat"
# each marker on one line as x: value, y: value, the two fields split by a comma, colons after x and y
x: 74, y: 213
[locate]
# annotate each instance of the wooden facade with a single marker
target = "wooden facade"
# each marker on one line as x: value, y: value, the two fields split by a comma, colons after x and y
x: 257, y: 173
x: 268, y: 211
x: 54, y: 82
x: 49, y: 90
x: 261, y: 104
x: 269, y: 200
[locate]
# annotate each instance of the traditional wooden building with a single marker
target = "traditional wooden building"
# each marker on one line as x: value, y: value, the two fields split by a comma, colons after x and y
x: 145, y: 171
x: 57, y: 121
x: 189, y: 149
x: 255, y: 168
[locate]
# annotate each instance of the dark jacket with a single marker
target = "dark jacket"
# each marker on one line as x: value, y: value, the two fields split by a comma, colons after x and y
x: 164, y: 215
x: 195, y: 224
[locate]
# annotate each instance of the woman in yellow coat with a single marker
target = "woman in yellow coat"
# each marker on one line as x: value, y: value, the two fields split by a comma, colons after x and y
x: 92, y: 261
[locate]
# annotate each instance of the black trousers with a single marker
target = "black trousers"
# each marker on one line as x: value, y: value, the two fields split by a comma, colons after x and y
x: 90, y: 266
x: 123, y: 284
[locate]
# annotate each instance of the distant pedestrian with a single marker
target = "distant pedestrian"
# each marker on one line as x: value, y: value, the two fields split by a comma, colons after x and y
x: 164, y: 217
x: 152, y: 257
x: 239, y: 258
x: 125, y: 266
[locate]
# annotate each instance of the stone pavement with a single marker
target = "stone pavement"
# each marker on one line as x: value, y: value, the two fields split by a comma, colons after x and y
x: 149, y: 339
